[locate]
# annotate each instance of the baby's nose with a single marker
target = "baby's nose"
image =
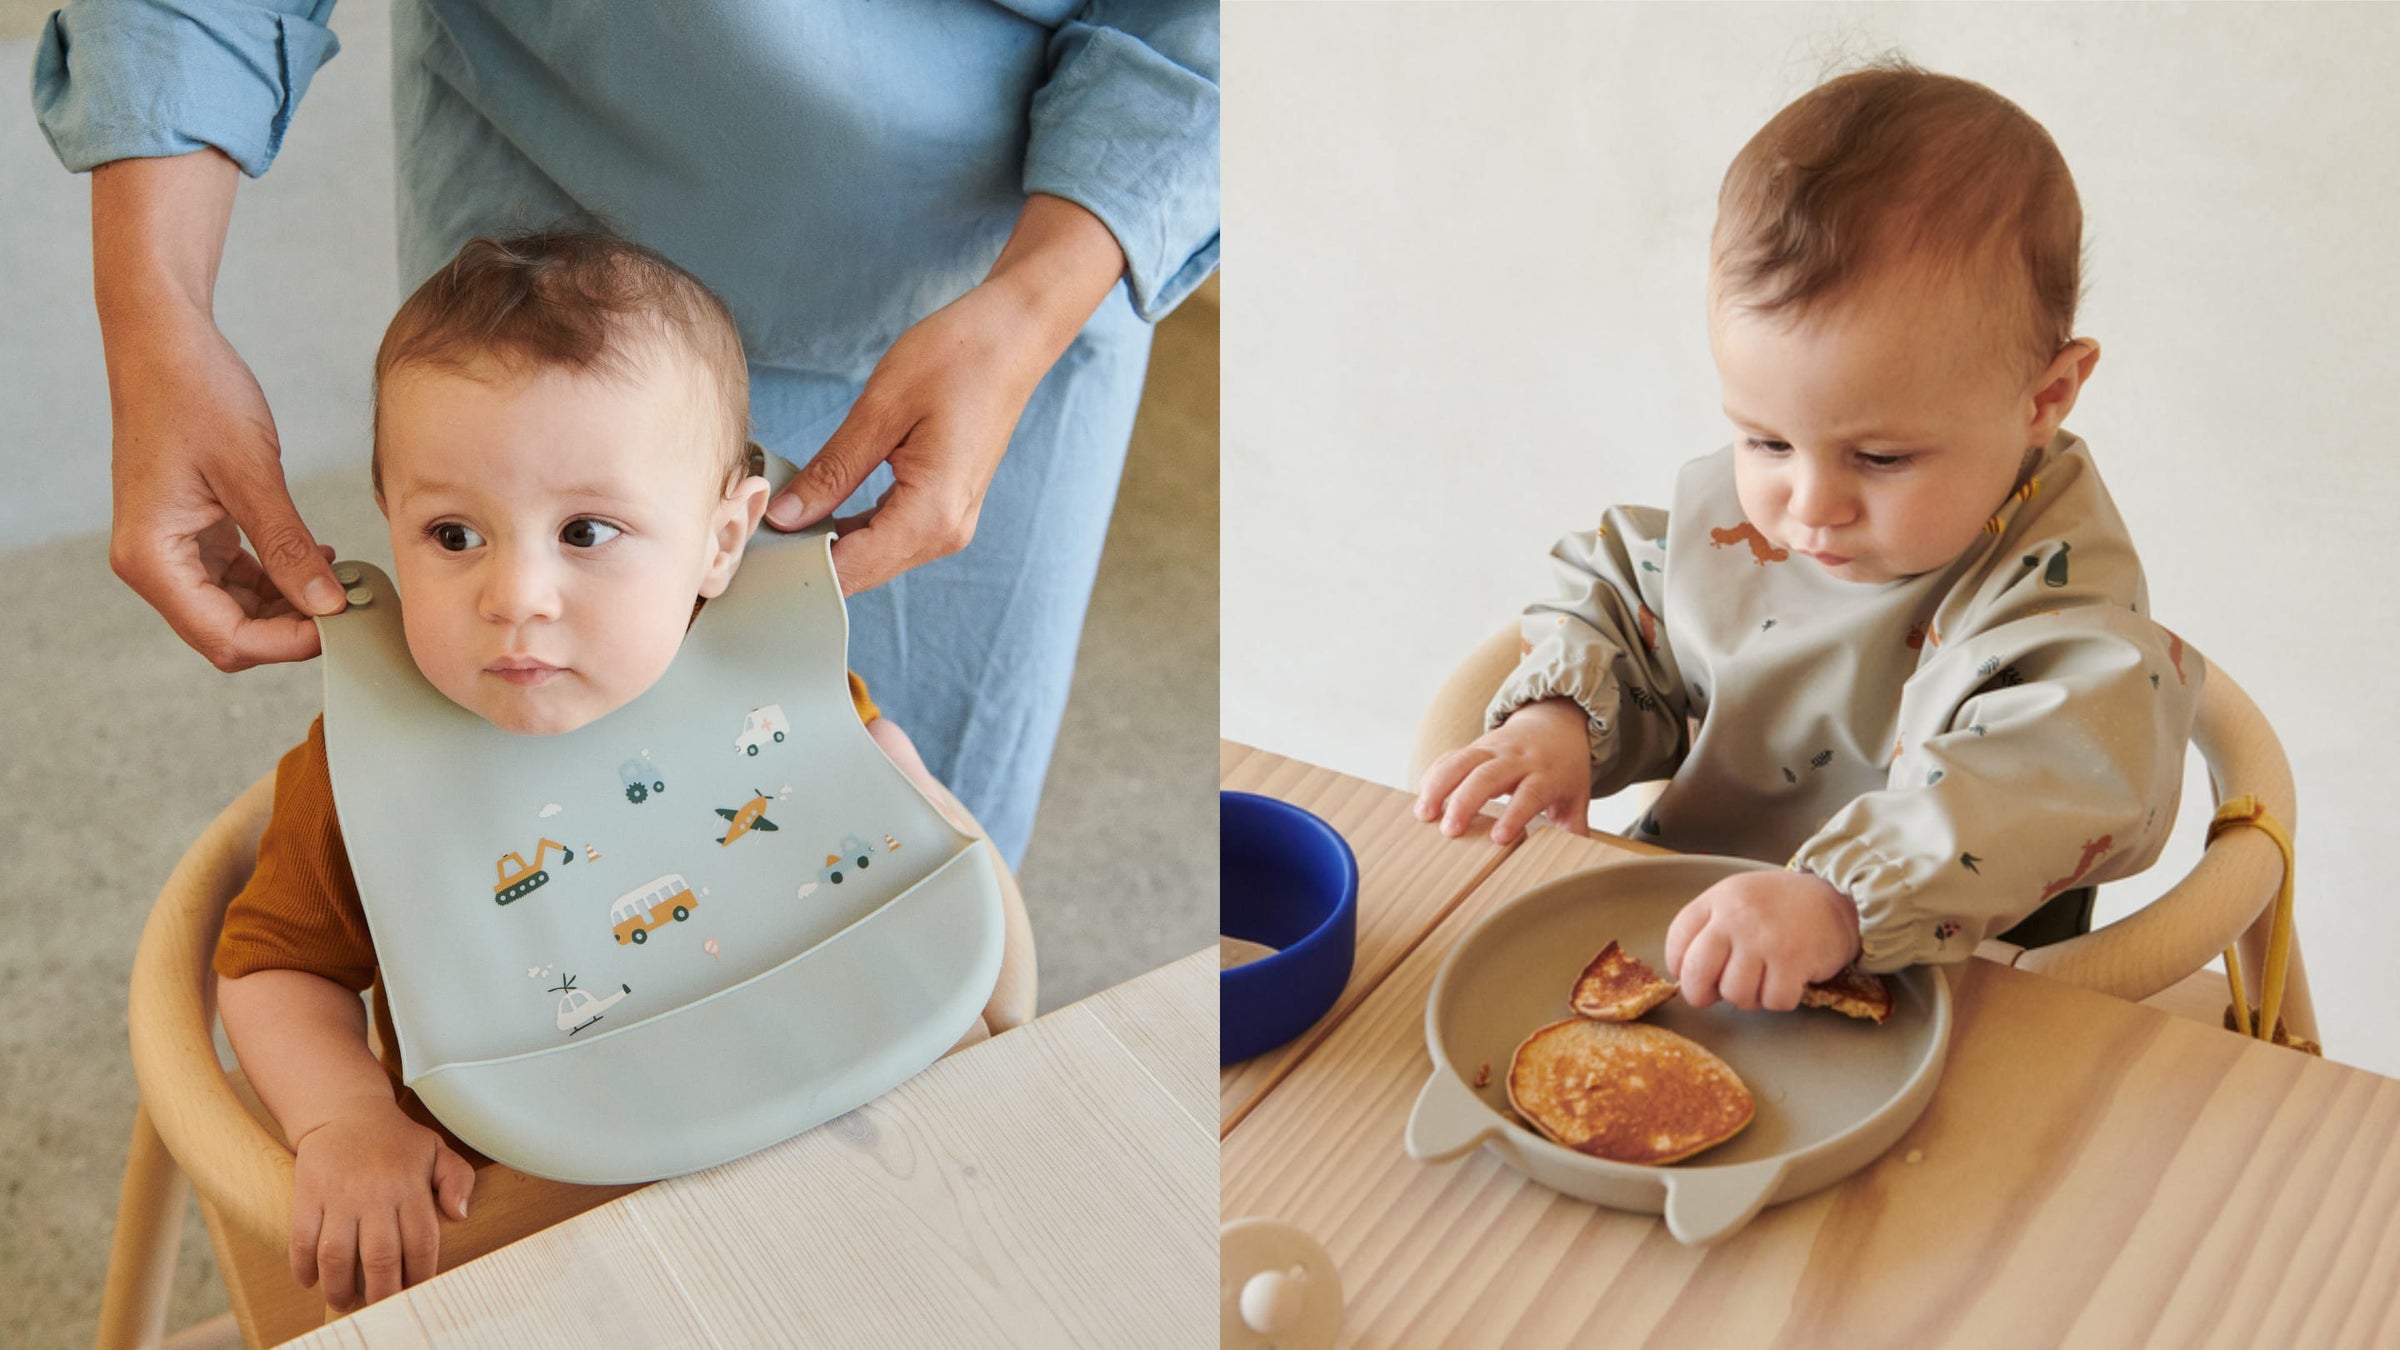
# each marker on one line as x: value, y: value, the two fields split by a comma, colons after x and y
x: 1819, y: 501
x: 516, y: 590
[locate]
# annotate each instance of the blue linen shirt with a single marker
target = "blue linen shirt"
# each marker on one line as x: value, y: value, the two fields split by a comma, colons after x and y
x: 879, y: 151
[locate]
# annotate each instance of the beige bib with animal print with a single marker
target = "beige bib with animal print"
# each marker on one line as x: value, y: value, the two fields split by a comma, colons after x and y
x: 1950, y: 750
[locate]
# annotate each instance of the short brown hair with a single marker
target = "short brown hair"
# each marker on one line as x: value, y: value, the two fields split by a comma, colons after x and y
x: 1894, y: 161
x: 577, y: 300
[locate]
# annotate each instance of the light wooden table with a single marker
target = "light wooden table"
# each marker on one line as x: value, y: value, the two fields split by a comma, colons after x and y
x: 1048, y: 1187
x: 2091, y: 1172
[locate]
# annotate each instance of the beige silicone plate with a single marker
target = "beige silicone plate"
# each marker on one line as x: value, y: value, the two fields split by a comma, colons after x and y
x: 1833, y: 1092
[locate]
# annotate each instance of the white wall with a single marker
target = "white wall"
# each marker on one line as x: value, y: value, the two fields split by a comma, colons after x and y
x: 1465, y: 313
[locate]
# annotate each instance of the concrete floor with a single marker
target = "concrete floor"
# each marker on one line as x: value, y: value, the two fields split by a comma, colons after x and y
x: 117, y: 743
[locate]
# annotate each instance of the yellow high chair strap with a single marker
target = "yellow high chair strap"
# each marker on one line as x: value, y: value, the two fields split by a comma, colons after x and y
x: 2241, y: 811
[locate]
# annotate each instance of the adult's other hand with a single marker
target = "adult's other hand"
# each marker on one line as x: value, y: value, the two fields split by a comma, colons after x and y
x: 944, y: 400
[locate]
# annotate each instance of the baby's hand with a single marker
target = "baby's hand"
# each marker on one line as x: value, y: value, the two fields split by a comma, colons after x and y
x: 1756, y: 938
x: 1540, y: 759
x: 363, y: 1198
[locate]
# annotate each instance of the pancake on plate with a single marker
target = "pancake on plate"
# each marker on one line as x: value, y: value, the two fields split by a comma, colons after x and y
x: 1626, y: 1091
x: 1617, y: 987
x: 1853, y: 993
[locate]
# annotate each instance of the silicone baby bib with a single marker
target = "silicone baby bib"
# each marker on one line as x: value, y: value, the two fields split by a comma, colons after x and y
x: 706, y: 922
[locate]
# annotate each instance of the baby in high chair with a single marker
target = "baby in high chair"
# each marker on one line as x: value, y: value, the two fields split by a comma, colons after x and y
x: 1896, y: 633
x: 562, y: 452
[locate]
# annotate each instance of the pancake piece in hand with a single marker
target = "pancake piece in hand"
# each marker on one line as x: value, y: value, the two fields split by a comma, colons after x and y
x: 1617, y: 987
x: 1853, y: 993
x: 1626, y: 1091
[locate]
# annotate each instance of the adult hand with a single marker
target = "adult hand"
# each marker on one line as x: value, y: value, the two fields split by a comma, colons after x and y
x: 944, y: 400
x: 196, y: 465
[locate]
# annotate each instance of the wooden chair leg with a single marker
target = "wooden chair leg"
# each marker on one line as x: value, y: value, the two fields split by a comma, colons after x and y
x: 2299, y: 1012
x: 141, y: 1255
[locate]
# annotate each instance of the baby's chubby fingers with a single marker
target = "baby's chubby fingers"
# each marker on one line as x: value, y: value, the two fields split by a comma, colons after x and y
x: 1744, y: 974
x: 380, y: 1263
x: 420, y: 1241
x: 1487, y: 780
x: 453, y: 1181
x: 308, y: 1222
x: 1687, y: 925
x: 1780, y: 992
x: 1539, y: 794
x: 1524, y: 804
x: 1703, y: 967
x: 1443, y: 778
x: 337, y: 1261
x: 421, y: 1216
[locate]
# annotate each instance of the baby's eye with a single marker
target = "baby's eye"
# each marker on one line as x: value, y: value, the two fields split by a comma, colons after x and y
x: 1885, y: 461
x: 1765, y: 446
x: 452, y: 536
x: 585, y: 532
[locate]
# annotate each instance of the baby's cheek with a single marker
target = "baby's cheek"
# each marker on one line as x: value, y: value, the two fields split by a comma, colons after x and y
x: 440, y: 657
x: 636, y: 648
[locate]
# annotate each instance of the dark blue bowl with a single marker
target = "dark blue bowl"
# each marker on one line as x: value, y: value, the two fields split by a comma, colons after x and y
x: 1287, y: 880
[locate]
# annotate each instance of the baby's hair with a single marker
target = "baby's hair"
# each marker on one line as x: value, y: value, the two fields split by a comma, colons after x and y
x: 1894, y: 162
x: 575, y: 300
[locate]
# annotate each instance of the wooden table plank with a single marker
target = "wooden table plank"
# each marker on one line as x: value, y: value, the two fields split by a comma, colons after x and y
x: 1048, y: 1187
x: 389, y: 1325
x: 983, y: 1214
x: 621, y: 1294
x: 1168, y: 1021
x: 2091, y: 1172
x: 1409, y: 877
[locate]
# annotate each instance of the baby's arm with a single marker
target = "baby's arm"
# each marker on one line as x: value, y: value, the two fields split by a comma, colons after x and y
x: 2050, y: 756
x: 1596, y: 701
x: 367, y: 1177
x: 1756, y: 939
x: 1012, y: 998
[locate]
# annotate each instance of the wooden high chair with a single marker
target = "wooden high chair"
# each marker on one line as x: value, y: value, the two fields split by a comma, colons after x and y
x: 199, y: 1127
x: 2156, y: 955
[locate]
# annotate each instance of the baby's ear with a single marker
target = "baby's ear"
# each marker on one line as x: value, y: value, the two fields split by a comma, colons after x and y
x: 2059, y: 385
x: 730, y: 527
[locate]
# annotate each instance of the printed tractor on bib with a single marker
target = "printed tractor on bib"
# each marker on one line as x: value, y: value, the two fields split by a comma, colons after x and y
x: 641, y: 778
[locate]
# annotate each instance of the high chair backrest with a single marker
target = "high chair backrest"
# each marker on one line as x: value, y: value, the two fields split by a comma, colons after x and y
x: 2227, y: 897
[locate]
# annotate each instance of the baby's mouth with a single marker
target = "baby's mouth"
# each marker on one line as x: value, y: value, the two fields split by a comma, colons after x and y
x: 523, y: 672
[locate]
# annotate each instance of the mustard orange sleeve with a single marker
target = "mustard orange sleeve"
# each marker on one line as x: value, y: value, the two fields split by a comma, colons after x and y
x: 862, y: 700
x: 300, y: 909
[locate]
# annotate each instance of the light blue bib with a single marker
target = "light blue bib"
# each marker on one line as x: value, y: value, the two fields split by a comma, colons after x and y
x: 708, y: 921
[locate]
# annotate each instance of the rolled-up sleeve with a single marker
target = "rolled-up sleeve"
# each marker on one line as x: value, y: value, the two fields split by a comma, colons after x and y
x: 133, y: 79
x: 1126, y: 127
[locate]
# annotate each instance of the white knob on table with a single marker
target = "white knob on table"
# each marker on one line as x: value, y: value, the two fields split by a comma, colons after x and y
x: 1273, y: 1300
x: 1280, y: 1289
